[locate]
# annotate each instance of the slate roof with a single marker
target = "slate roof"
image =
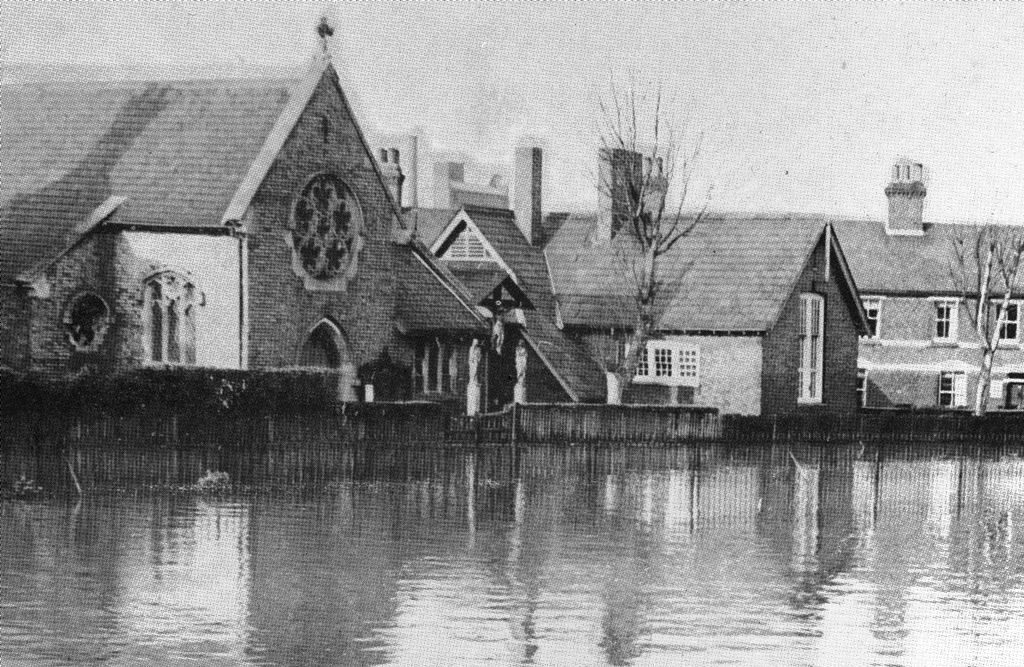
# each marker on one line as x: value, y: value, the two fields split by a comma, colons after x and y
x: 578, y: 372
x: 909, y: 265
x: 425, y: 301
x: 728, y: 275
x: 175, y: 150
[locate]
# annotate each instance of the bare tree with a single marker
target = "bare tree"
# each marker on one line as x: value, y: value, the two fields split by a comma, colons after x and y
x: 645, y: 157
x: 986, y: 270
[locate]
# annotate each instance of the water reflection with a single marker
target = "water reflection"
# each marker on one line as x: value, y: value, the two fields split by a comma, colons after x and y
x: 528, y: 556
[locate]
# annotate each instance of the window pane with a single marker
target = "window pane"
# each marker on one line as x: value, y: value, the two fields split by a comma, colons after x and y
x: 173, y: 350
x: 662, y: 362
x: 156, y: 326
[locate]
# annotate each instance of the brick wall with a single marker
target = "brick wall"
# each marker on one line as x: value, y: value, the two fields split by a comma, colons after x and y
x: 780, y: 379
x: 14, y: 327
x: 89, y: 267
x: 281, y: 310
x: 904, y: 363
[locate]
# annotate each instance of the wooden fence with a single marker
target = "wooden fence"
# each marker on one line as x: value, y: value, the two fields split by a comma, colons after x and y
x: 887, y: 426
x: 576, y: 423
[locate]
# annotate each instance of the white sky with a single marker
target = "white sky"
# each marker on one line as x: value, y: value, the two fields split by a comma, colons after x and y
x: 803, y: 106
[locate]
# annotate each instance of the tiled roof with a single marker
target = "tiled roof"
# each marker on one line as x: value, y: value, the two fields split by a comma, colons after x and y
x: 728, y: 275
x: 175, y: 150
x: 884, y: 264
x: 428, y: 222
x: 431, y: 299
x: 576, y: 370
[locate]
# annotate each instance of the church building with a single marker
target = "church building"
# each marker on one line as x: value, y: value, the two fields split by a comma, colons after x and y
x: 229, y: 224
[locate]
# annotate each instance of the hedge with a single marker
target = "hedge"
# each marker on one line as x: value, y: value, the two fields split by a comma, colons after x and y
x: 172, y: 388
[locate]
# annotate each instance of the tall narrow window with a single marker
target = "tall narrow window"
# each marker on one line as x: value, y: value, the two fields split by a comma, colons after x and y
x: 946, y: 321
x: 436, y: 368
x: 812, y: 347
x: 170, y: 319
x: 862, y: 387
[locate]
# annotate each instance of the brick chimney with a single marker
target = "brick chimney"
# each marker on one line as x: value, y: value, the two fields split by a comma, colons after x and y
x: 617, y: 169
x: 526, y: 192
x: 392, y: 172
x: 906, y: 193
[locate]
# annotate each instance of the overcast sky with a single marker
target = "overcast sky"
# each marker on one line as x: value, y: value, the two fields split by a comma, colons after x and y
x: 803, y: 106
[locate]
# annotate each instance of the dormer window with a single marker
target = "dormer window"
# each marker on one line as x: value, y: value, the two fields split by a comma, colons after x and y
x: 467, y: 247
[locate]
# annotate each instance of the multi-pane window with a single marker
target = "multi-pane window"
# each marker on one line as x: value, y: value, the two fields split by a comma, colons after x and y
x: 873, y: 309
x: 1009, y: 323
x: 862, y: 387
x: 436, y: 367
x: 170, y: 319
x: 946, y: 320
x: 689, y: 363
x: 812, y: 347
x: 953, y: 389
x: 662, y: 362
x: 669, y: 362
x: 642, y: 367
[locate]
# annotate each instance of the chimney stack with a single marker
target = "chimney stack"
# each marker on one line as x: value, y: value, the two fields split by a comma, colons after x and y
x: 392, y: 172
x: 906, y: 193
x: 527, y: 186
x: 618, y: 170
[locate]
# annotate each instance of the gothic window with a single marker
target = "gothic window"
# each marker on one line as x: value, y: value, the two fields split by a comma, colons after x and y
x: 171, y: 304
x: 85, y: 322
x: 326, y: 222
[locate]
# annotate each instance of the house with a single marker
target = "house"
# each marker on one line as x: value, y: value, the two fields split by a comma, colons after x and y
x: 921, y: 349
x: 491, y: 246
x: 225, y: 224
x: 757, y: 317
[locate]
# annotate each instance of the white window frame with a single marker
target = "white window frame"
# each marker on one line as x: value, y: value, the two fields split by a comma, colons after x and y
x: 1001, y: 323
x: 811, y: 371
x: 953, y: 320
x: 670, y: 363
x: 956, y: 392
x: 874, y: 303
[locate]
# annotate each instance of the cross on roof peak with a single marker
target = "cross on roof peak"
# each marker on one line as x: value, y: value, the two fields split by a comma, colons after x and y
x: 324, y: 30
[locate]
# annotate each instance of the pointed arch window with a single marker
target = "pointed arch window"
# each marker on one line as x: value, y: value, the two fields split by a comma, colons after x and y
x: 171, y: 305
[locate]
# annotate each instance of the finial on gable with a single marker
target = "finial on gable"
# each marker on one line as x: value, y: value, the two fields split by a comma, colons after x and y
x: 324, y: 30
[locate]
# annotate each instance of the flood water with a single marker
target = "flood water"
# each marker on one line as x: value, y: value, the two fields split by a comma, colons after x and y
x: 551, y: 556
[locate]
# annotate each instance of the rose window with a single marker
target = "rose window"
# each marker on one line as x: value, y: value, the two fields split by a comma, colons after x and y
x: 325, y: 227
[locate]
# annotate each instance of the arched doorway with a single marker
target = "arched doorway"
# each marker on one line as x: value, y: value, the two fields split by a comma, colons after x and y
x: 326, y: 347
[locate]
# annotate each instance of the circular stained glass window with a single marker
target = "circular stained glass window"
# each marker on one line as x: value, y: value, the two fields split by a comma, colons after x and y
x: 325, y: 226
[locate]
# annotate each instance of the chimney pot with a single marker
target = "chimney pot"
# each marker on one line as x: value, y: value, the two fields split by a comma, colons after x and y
x: 906, y: 194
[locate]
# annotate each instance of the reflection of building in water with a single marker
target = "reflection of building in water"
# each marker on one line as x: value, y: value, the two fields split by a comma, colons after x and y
x: 194, y: 574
